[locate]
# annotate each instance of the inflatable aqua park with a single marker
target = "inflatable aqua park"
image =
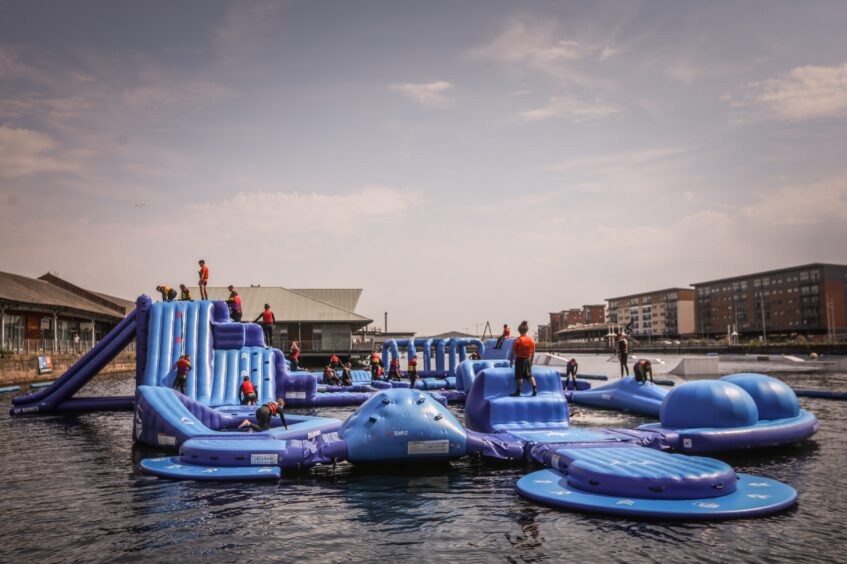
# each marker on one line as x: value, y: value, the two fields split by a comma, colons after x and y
x: 628, y: 472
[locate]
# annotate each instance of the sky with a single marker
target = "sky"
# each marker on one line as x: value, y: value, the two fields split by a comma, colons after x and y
x: 462, y: 162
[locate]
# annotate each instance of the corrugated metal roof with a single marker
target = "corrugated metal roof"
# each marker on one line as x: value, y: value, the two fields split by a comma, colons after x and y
x: 21, y: 289
x: 287, y: 305
x: 345, y: 298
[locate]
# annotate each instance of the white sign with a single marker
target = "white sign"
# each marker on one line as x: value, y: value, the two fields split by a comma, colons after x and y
x: 264, y: 459
x: 429, y: 447
x: 45, y: 323
x: 165, y: 440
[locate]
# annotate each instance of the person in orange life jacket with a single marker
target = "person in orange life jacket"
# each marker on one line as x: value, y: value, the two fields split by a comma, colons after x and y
x: 294, y: 355
x: 234, y: 303
x: 347, y: 375
x: 521, y: 356
x: 572, y: 367
x: 394, y: 369
x: 184, y: 293
x: 247, y: 392
x: 183, y: 366
x: 335, y: 363
x: 376, y: 365
x: 267, y: 323
x: 503, y: 336
x: 641, y: 369
x: 168, y: 293
x: 203, y: 275
x: 263, y: 416
x: 413, y: 371
x: 623, y: 353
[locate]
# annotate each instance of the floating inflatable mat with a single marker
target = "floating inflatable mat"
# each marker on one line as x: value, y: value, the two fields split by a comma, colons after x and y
x: 640, y: 482
x: 173, y: 468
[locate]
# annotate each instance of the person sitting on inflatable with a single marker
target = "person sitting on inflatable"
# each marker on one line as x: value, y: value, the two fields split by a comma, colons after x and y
x: 184, y: 293
x: 263, y: 416
x: 247, y: 392
x: 641, y: 369
x: 505, y: 335
x: 347, y: 375
x: 330, y: 377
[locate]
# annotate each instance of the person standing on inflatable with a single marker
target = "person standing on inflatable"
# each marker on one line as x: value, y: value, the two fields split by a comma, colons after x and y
x: 234, y: 303
x: 267, y: 323
x: 521, y: 357
x: 641, y: 369
x: 184, y: 293
x: 503, y: 336
x: 183, y: 366
x: 394, y: 369
x: 247, y: 392
x: 376, y: 363
x: 168, y: 293
x: 623, y: 353
x: 294, y: 355
x: 263, y: 416
x: 572, y: 368
x: 335, y: 362
x: 413, y: 371
x: 203, y: 274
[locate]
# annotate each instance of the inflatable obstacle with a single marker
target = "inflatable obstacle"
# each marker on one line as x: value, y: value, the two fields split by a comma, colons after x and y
x: 736, y: 412
x: 625, y: 394
x: 644, y: 483
x: 394, y: 426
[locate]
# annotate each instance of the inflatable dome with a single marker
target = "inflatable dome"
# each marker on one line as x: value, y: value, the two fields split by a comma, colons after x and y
x: 708, y: 403
x: 774, y: 399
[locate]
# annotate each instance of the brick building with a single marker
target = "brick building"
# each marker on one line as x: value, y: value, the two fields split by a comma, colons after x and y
x: 808, y: 299
x: 661, y: 313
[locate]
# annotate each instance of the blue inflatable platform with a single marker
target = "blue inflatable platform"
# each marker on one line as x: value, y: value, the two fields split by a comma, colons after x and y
x: 752, y: 496
x: 736, y: 412
x: 173, y: 468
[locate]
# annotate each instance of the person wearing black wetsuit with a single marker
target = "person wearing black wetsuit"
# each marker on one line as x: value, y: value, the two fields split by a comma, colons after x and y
x: 623, y: 354
x: 570, y: 375
x: 263, y: 416
x: 347, y: 375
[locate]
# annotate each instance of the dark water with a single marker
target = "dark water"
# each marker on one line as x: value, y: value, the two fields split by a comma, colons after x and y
x: 72, y: 491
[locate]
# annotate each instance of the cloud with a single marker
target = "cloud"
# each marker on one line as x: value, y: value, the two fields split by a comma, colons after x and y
x: 430, y: 94
x: 538, y: 45
x: 571, y: 109
x: 175, y: 95
x: 24, y: 152
x: 802, y: 205
x: 803, y: 93
x: 295, y: 212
